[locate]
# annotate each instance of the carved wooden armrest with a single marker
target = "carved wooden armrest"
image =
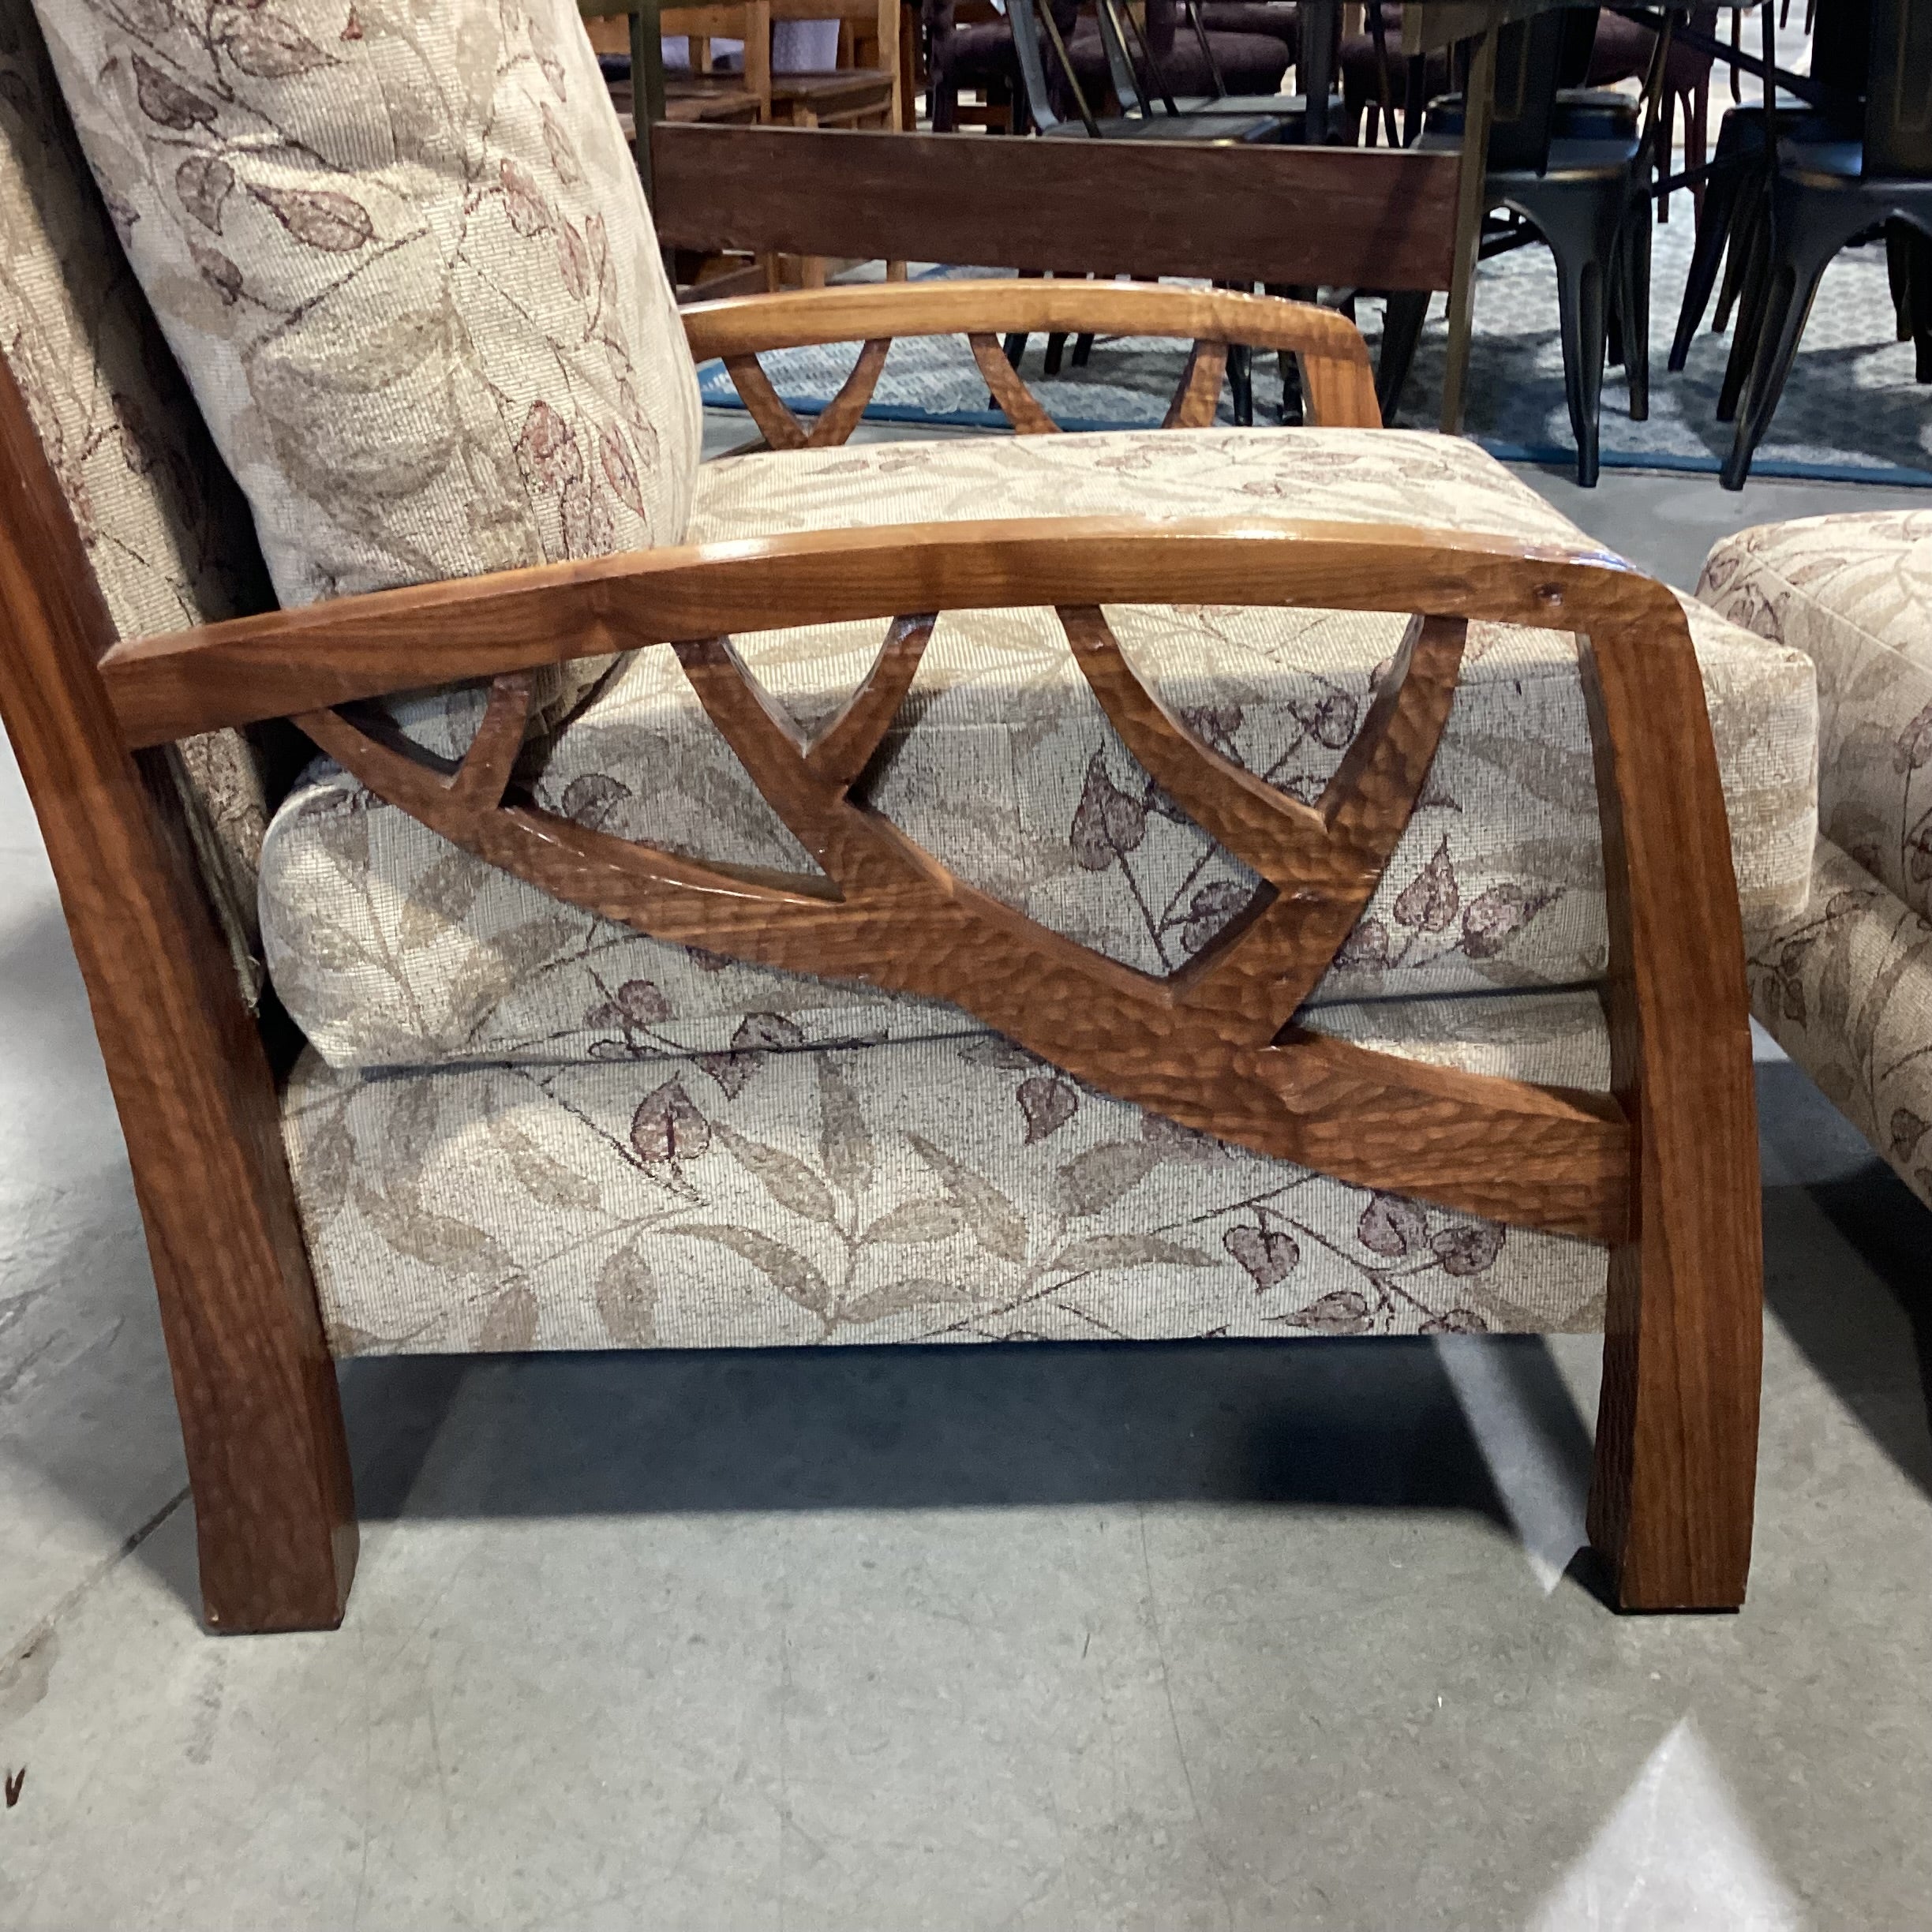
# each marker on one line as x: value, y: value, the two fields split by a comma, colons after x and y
x: 1337, y: 382
x: 1213, y: 1045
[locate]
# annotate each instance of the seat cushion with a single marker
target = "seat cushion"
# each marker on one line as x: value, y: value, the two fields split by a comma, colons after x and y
x: 946, y: 1190
x: 390, y: 949
x: 164, y: 527
x: 1277, y: 18
x: 1249, y: 64
x: 407, y: 266
x: 1855, y: 595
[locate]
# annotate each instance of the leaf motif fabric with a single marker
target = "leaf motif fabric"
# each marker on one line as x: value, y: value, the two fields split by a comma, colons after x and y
x: 1845, y: 988
x: 1004, y: 766
x: 1854, y: 593
x: 167, y: 534
x: 891, y: 1192
x: 410, y: 276
x: 1844, y: 985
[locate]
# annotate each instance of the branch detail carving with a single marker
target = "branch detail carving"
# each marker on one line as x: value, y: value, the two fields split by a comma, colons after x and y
x: 1212, y: 1045
x: 1195, y: 398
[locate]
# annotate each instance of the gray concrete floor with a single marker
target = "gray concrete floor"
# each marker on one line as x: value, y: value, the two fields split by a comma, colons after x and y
x: 1266, y: 1636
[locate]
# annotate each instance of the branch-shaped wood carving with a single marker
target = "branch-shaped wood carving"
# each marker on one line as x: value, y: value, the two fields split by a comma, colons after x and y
x: 1018, y: 403
x: 1206, y: 1046
x: 781, y: 429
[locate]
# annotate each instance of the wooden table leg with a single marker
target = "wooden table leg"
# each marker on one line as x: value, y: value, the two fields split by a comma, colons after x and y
x: 1315, y: 69
x: 1479, y: 102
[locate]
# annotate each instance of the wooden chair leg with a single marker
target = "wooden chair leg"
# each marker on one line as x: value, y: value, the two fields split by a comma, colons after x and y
x: 275, y: 1511
x: 1672, y: 1494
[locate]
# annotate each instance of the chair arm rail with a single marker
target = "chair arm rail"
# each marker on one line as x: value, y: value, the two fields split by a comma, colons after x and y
x: 284, y: 662
x: 1339, y: 380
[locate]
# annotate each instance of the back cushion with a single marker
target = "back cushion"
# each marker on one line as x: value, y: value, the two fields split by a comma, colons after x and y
x: 167, y: 534
x: 403, y: 254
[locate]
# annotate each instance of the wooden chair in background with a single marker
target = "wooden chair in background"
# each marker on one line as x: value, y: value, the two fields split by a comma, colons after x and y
x: 861, y: 92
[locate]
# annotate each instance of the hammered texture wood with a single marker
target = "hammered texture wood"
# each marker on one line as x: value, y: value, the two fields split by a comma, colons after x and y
x: 1018, y: 404
x: 1200, y: 1047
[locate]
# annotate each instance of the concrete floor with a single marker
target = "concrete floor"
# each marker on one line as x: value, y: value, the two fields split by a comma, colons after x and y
x: 1270, y: 1636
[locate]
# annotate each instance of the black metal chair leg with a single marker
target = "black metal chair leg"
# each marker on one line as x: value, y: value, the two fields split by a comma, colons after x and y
x: 1056, y: 348
x: 1241, y: 383
x: 1401, y: 329
x: 1634, y: 290
x: 1750, y: 308
x: 1581, y: 304
x: 1790, y: 286
x: 1722, y: 191
x: 1747, y: 224
x: 1083, y: 348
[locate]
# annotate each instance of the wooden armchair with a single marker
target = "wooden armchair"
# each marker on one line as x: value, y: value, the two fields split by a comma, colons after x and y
x: 1663, y: 1169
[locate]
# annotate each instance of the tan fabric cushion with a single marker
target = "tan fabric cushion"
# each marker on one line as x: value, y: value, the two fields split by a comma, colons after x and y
x: 168, y: 534
x: 403, y: 256
x: 1845, y: 988
x: 1855, y: 595
x: 949, y: 1190
x: 389, y: 949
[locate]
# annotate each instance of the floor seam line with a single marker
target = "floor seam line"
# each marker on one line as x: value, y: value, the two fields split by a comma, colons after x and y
x: 133, y: 1542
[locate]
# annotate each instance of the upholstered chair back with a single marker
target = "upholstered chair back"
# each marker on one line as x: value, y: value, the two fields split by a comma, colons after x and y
x: 168, y: 534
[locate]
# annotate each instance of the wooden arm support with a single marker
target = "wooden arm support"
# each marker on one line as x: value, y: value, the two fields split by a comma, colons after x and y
x: 1338, y: 382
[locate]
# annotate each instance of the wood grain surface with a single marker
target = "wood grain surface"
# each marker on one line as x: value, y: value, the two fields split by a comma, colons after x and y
x: 1338, y: 380
x: 1203, y: 1047
x: 1663, y: 1170
x: 330, y: 653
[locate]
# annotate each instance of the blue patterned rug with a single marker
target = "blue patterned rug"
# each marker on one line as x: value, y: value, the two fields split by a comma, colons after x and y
x: 1852, y: 411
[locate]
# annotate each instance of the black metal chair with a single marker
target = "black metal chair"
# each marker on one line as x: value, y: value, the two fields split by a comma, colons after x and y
x: 1624, y: 50
x: 1377, y: 78
x: 1047, y: 98
x: 1087, y: 92
x: 1583, y: 191
x: 1824, y: 194
x: 1737, y: 185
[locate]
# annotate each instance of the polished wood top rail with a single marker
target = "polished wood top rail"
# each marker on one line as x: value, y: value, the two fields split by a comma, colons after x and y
x: 286, y: 661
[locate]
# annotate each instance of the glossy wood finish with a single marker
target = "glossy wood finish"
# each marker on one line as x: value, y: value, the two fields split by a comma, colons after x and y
x: 1338, y: 380
x: 783, y: 430
x: 1667, y: 1173
x: 274, y: 1508
x: 1243, y: 213
x: 1671, y: 1501
x: 327, y: 654
x: 1017, y: 402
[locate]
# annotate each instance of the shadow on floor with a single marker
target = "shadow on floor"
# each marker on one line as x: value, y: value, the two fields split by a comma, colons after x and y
x: 1854, y: 1294
x: 1373, y: 1424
